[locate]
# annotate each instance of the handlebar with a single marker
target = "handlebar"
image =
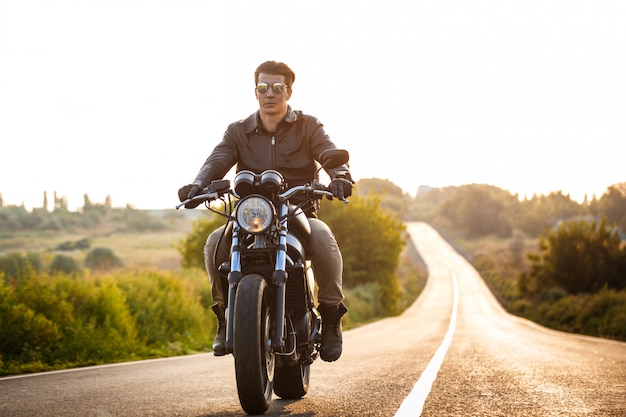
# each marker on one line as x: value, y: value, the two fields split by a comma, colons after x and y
x: 214, y: 192
x: 315, y: 189
x: 200, y: 197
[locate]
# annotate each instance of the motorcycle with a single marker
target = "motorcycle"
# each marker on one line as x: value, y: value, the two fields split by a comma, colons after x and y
x: 272, y: 325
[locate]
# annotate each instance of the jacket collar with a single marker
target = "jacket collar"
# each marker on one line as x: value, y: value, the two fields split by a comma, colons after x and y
x: 253, y: 122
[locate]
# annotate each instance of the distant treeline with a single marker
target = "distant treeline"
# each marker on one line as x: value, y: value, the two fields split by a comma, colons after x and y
x: 472, y: 210
x: 476, y: 210
x: 60, y: 218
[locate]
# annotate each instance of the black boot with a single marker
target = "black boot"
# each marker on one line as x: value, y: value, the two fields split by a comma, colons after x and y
x: 331, y: 331
x: 219, y: 343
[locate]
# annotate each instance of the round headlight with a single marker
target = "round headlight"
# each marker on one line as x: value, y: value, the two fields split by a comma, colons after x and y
x: 255, y: 214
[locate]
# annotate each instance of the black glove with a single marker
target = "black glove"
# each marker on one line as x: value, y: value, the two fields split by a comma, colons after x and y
x: 189, y: 191
x: 341, y: 187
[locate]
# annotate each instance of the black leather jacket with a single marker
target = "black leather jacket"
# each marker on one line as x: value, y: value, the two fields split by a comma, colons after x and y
x: 292, y: 150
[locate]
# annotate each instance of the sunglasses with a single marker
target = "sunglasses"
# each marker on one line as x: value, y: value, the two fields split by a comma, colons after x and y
x: 277, y: 88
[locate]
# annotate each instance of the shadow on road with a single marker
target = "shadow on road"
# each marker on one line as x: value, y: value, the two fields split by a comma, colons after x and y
x: 277, y: 409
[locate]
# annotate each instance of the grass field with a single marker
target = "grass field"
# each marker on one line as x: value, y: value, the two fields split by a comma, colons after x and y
x: 135, y: 249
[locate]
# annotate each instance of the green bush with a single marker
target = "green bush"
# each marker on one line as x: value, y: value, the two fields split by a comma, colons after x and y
x: 579, y: 257
x: 171, y: 308
x: 90, y: 317
x: 65, y: 265
x: 58, y: 321
x: 16, y: 266
x: 102, y: 259
x: 364, y: 304
x: 371, y: 241
x: 601, y: 314
x: 25, y: 335
x: 192, y: 246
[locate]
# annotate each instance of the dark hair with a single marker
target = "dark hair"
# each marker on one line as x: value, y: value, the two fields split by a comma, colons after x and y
x: 275, y: 68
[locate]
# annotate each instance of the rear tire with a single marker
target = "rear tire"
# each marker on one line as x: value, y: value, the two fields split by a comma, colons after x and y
x: 254, y: 359
x: 292, y: 382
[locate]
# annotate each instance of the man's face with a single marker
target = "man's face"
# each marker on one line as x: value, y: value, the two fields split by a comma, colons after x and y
x: 270, y: 102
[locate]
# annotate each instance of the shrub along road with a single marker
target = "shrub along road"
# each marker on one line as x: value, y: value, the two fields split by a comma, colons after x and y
x: 454, y: 352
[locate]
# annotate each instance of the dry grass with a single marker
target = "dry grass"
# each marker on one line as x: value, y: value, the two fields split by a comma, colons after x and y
x: 144, y: 249
x: 135, y: 249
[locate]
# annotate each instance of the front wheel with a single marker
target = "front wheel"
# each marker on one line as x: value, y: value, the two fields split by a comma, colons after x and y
x: 254, y: 359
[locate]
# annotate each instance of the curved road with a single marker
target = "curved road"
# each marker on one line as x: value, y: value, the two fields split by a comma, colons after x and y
x: 454, y: 352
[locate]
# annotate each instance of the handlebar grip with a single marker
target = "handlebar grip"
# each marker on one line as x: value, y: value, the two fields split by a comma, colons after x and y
x: 207, y: 196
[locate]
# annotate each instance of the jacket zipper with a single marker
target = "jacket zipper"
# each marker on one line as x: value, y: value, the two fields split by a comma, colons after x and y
x: 273, y: 152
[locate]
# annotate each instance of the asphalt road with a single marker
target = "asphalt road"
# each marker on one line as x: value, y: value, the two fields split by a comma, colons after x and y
x: 455, y: 352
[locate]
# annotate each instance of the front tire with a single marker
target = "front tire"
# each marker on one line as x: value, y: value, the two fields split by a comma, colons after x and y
x: 254, y: 359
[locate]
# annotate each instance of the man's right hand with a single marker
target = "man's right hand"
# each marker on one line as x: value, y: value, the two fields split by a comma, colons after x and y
x: 189, y: 191
x: 341, y: 187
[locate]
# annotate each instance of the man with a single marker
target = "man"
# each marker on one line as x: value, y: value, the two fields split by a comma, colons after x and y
x: 276, y: 137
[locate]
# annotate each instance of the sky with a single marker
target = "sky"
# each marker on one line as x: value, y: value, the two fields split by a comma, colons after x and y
x: 126, y: 98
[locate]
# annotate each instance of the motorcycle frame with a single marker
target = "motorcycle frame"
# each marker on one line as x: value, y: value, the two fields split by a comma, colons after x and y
x: 279, y: 278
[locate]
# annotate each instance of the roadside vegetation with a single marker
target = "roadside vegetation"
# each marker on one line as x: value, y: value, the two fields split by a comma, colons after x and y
x: 87, y: 292
x: 103, y: 285
x: 550, y: 259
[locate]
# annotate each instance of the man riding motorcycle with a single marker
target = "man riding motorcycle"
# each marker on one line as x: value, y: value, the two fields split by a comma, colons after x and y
x: 277, y: 137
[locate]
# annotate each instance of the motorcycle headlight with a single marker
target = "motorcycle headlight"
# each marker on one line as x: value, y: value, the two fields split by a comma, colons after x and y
x: 255, y: 214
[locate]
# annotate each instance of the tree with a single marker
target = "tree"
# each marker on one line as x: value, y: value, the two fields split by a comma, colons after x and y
x: 60, y: 203
x: 65, y: 265
x: 371, y: 240
x: 45, y: 201
x: 612, y: 205
x: 392, y: 196
x: 16, y: 266
x: 542, y: 212
x: 579, y: 257
x: 516, y: 246
x: 478, y: 210
x: 102, y: 259
x: 87, y: 204
x: 192, y: 246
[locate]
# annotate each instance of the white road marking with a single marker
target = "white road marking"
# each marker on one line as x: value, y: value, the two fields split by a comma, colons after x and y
x: 94, y: 367
x: 414, y: 403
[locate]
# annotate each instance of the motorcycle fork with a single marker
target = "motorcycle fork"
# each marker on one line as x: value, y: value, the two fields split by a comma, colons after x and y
x: 234, y: 276
x: 280, y: 279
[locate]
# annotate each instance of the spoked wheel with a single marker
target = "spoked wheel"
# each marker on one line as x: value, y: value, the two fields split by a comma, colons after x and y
x: 254, y: 359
